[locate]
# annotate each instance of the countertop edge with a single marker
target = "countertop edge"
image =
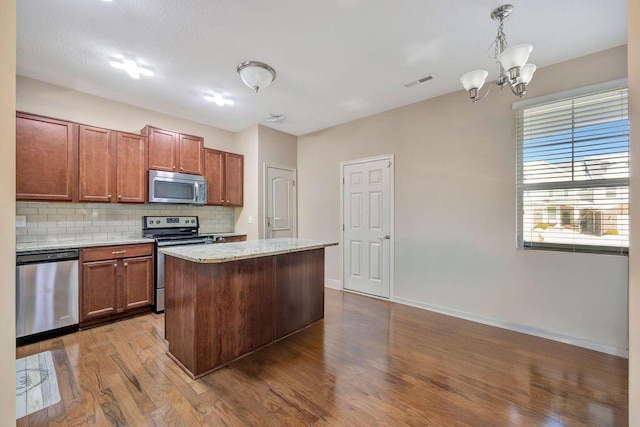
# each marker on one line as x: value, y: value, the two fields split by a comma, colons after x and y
x: 217, y: 260
x: 79, y: 244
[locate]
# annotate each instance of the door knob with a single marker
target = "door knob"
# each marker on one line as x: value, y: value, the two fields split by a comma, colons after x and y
x: 387, y: 237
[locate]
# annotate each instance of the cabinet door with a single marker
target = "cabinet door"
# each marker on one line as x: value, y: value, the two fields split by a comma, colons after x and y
x: 131, y: 168
x: 96, y: 165
x: 214, y: 171
x: 46, y: 159
x: 190, y: 154
x: 234, y: 179
x: 137, y: 282
x: 99, y: 292
x: 163, y: 153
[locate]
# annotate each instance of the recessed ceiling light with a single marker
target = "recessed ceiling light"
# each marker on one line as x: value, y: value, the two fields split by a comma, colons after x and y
x: 218, y: 98
x: 131, y: 67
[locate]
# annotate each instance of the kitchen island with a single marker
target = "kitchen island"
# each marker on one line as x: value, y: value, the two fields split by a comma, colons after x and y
x: 224, y: 301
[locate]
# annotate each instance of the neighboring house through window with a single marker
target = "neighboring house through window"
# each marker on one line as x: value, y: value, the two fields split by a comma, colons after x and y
x: 573, y: 171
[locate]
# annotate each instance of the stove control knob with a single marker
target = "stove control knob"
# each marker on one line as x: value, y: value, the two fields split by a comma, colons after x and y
x: 157, y: 221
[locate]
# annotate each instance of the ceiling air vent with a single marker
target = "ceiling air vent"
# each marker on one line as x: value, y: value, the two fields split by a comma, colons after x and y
x: 420, y: 80
x: 274, y: 118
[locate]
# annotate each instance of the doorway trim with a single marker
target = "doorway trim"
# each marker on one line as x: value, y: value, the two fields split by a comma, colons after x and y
x: 265, y: 193
x: 392, y: 229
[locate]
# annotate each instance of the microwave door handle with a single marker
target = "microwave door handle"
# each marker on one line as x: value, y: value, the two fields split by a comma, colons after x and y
x: 197, y: 191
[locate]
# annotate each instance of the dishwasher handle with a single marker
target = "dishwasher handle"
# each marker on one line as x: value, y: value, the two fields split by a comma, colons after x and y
x: 34, y: 257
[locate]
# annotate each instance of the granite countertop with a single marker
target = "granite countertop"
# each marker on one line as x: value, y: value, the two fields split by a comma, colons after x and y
x: 87, y: 243
x: 80, y: 243
x: 243, y: 250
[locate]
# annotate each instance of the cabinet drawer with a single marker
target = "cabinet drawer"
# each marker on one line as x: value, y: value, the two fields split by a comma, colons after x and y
x: 115, y: 252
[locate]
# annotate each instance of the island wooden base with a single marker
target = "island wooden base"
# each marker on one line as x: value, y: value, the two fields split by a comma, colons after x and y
x: 216, y: 313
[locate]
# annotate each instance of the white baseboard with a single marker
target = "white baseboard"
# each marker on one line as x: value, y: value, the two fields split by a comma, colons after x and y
x: 529, y: 330
x: 332, y: 283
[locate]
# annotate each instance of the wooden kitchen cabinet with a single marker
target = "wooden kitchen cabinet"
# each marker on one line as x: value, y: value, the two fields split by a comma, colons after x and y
x: 231, y: 239
x: 131, y: 168
x: 112, y: 166
x: 174, y: 152
x: 117, y: 281
x: 225, y: 177
x: 46, y: 159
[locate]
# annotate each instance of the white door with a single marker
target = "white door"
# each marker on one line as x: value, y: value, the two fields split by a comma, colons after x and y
x: 280, y: 204
x: 367, y: 226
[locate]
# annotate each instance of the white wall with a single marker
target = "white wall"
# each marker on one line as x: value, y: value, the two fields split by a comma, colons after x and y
x: 35, y: 96
x: 274, y: 147
x: 7, y: 210
x: 455, y: 242
x: 247, y: 143
x: 633, y: 40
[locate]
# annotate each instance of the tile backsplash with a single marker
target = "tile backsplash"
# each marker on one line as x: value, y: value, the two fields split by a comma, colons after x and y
x: 52, y: 222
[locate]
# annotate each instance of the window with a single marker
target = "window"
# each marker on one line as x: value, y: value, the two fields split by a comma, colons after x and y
x: 573, y: 165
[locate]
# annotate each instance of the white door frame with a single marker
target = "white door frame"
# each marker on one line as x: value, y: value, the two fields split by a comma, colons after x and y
x: 392, y: 203
x: 265, y: 194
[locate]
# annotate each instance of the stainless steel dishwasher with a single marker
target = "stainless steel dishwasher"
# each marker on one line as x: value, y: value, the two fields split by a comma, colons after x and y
x: 46, y: 294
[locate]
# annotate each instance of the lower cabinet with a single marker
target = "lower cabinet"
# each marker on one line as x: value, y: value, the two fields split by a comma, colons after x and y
x: 231, y: 239
x: 117, y: 281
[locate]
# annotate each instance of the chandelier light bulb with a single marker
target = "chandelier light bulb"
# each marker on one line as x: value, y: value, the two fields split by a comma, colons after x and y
x: 515, y: 57
x: 474, y: 79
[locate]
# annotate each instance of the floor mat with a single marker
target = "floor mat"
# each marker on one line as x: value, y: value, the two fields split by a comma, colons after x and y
x: 36, y: 384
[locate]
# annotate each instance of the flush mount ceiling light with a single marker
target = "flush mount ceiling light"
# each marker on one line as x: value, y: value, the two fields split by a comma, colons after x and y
x: 256, y: 75
x: 514, y: 70
x: 131, y: 67
x: 219, y: 99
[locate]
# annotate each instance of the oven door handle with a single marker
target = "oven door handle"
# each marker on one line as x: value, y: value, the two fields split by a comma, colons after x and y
x: 181, y: 243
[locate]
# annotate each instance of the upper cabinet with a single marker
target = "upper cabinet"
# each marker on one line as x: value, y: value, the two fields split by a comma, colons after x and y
x: 112, y: 166
x: 46, y: 159
x: 224, y: 172
x: 174, y: 152
x: 131, y: 168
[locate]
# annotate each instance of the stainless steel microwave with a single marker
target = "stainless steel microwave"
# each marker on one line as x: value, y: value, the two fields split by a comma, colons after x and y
x: 170, y: 187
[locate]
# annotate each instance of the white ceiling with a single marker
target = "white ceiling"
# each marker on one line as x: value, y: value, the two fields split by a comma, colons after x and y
x: 337, y: 60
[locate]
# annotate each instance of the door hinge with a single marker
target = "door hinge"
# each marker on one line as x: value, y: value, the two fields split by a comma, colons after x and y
x: 294, y: 183
x: 389, y: 165
x: 342, y: 227
x: 342, y: 180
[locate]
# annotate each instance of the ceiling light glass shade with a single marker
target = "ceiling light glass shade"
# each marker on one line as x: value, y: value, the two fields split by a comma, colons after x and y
x: 526, y: 73
x: 474, y: 79
x: 256, y: 75
x: 515, y: 56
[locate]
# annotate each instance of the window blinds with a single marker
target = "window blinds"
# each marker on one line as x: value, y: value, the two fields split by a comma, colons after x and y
x: 573, y: 174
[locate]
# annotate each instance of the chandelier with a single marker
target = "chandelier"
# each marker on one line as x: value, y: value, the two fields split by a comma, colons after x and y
x: 514, y: 70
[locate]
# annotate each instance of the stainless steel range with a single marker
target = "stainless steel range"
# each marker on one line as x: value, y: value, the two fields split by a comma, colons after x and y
x: 172, y: 231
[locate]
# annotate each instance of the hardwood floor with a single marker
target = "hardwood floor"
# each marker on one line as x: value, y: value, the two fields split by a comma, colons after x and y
x: 369, y: 362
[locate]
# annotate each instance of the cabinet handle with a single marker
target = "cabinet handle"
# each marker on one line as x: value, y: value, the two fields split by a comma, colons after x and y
x: 115, y: 265
x: 126, y: 264
x: 181, y: 169
x: 228, y: 201
x: 119, y: 196
x: 109, y: 196
x: 118, y: 252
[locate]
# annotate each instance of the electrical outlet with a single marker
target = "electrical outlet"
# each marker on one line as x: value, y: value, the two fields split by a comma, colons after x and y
x: 250, y: 219
x: 21, y: 221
